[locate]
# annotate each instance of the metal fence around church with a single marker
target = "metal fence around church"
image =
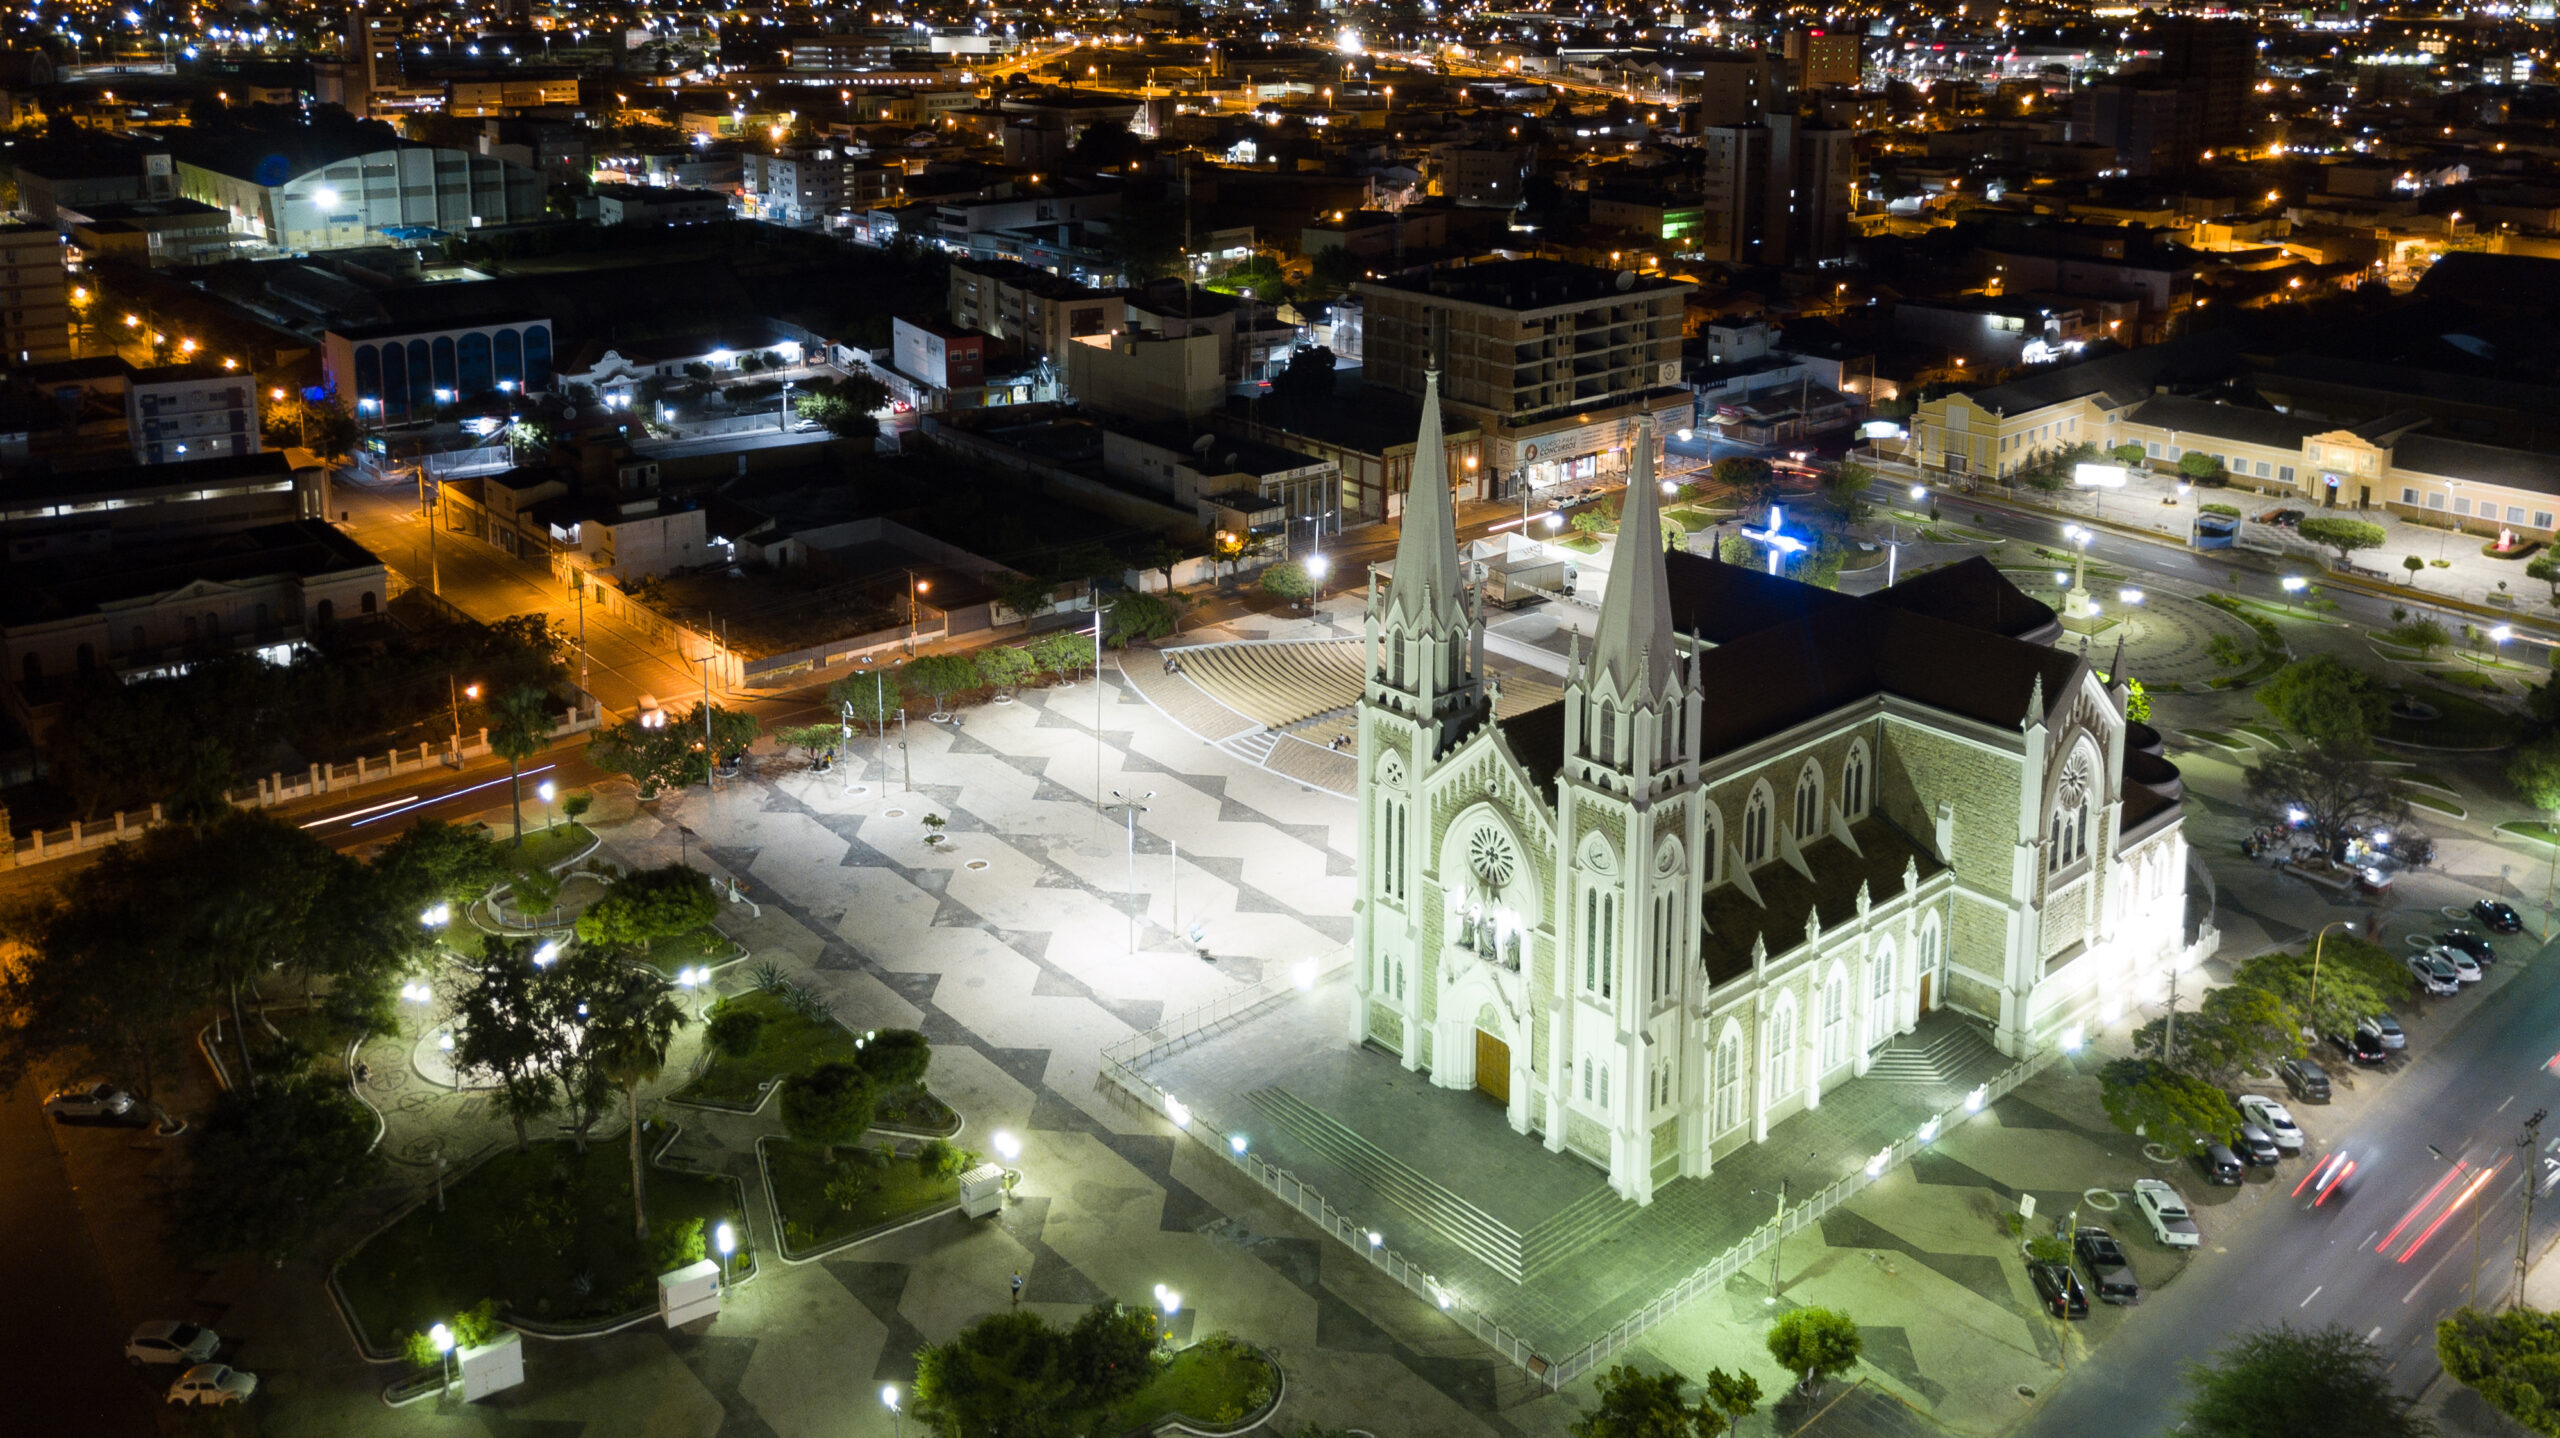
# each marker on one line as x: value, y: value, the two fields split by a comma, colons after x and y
x: 1123, y: 1060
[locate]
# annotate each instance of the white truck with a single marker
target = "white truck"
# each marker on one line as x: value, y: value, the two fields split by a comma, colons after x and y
x: 2167, y: 1214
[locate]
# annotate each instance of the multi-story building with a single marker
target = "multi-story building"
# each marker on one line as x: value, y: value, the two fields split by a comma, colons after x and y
x: 396, y: 372
x: 800, y: 185
x: 293, y: 189
x: 1697, y: 894
x: 938, y: 359
x: 1555, y: 361
x: 35, y: 296
x: 190, y: 411
x: 1480, y: 175
x: 657, y: 205
x: 1030, y: 309
x: 1778, y: 192
x: 2141, y: 118
x: 86, y: 168
x: 1733, y: 87
x: 1825, y: 57
x: 2214, y: 64
x: 159, y: 234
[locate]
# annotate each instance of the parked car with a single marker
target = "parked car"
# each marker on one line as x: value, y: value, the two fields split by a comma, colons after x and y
x: 213, y: 1385
x: 2257, y: 1147
x: 2496, y: 917
x: 2373, y: 880
x: 2166, y: 1213
x: 2305, y: 1080
x: 2334, y: 1176
x: 188, y: 1343
x: 2469, y: 941
x: 2288, y: 518
x: 2273, y: 1117
x: 2220, y: 1164
x: 2434, y: 974
x: 2385, y: 1028
x: 96, y: 1103
x: 2060, y: 1289
x: 2360, y: 1048
x: 2110, y: 1272
x: 2465, y: 968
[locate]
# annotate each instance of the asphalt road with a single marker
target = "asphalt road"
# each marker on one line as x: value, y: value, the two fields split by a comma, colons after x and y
x: 59, y: 1326
x: 2387, y: 1261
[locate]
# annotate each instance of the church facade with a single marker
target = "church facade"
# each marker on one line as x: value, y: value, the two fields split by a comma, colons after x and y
x: 1765, y: 830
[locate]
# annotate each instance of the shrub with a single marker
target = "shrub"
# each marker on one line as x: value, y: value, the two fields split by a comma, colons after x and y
x: 678, y: 1244
x: 732, y: 1032
x: 896, y: 1058
x: 830, y: 1104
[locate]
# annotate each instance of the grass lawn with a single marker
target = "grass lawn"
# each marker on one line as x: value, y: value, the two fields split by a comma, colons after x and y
x: 787, y: 1044
x: 2471, y: 679
x: 2218, y: 739
x: 2461, y: 722
x: 1212, y: 1381
x: 2265, y: 735
x: 2428, y: 779
x: 916, y: 1110
x: 527, y: 1229
x: 2533, y: 829
x: 544, y: 846
x: 306, y: 1029
x: 870, y: 1190
x: 705, y: 945
x: 2436, y: 803
x: 1579, y: 543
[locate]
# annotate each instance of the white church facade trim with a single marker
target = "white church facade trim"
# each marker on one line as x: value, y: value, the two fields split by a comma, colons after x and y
x: 1765, y: 830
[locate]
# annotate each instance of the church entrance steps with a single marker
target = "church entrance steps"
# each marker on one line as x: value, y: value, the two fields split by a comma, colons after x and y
x: 1937, y: 1053
x: 1484, y: 1237
x: 1591, y: 1219
x: 1253, y: 748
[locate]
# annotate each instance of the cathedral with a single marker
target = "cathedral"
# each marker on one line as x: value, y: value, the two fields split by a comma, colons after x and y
x: 1767, y: 827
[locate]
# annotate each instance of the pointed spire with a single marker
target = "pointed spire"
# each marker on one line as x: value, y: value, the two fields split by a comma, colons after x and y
x: 1632, y: 645
x: 2035, y: 705
x: 1425, y: 591
x: 2115, y: 666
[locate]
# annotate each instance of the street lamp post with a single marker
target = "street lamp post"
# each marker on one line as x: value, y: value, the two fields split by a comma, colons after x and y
x: 453, y: 696
x: 2317, y: 945
x: 915, y: 587
x: 1131, y: 809
x: 889, y: 1399
x: 2080, y: 606
x: 442, y: 1338
x: 725, y: 1239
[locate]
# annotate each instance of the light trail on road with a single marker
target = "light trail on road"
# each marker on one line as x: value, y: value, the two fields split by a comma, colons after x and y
x: 394, y: 812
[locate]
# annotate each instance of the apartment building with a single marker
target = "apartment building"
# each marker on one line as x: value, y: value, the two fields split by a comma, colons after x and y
x: 1554, y: 361
x: 1030, y: 309
x: 35, y: 296
x: 801, y: 185
x: 1776, y: 192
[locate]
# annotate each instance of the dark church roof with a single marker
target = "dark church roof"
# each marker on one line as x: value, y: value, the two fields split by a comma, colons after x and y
x: 1787, y: 898
x: 1961, y: 639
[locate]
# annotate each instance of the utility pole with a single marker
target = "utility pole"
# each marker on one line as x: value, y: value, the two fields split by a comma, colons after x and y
x: 711, y: 755
x: 2169, y: 1040
x: 2530, y: 1142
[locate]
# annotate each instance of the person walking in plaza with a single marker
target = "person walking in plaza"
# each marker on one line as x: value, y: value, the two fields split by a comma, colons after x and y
x: 1017, y: 1287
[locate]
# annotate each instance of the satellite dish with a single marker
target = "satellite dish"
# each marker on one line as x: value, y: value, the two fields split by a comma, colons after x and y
x: 569, y: 412
x: 1201, y: 445
x: 1626, y: 281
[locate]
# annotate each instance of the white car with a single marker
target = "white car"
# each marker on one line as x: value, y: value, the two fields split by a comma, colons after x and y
x: 2167, y: 1213
x: 187, y: 1343
x: 213, y: 1385
x: 2272, y: 1116
x: 100, y: 1100
x: 2465, y: 968
x: 2434, y: 974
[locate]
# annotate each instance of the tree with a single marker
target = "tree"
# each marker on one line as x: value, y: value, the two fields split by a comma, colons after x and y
x: 2428, y: 636
x: 654, y: 757
x: 436, y: 862
x: 2414, y: 565
x: 2343, y: 535
x: 629, y: 1030
x: 897, y: 1058
x: 2150, y: 1097
x: 942, y: 675
x: 1027, y: 596
x: 2127, y: 454
x: 1136, y: 618
x: 1006, y: 666
x: 1750, y: 480
x: 1844, y: 487
x: 2347, y: 991
x: 2285, y: 1382
x: 2202, y: 468
x: 809, y: 738
x: 731, y: 1031
x: 1112, y: 1351
x: 1730, y: 1398
x: 1820, y: 1343
x: 1310, y: 375
x: 1337, y: 269
x: 2237, y: 1029
x: 873, y: 698
x: 101, y: 980
x: 1004, y: 1376
x: 2512, y: 1358
x: 247, y: 891
x: 849, y: 407
x: 519, y: 725
x: 1592, y: 522
x: 2544, y: 566
x: 509, y: 1029
x: 2137, y: 702
x: 2338, y: 793
x: 275, y: 1165
x: 1288, y: 580
x: 2226, y: 652
x: 1066, y: 653
x: 830, y: 1104
x: 2326, y: 701
x: 646, y: 905
x: 1637, y: 1404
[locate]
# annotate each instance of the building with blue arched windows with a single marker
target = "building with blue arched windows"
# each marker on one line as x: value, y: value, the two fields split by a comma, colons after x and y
x: 399, y: 373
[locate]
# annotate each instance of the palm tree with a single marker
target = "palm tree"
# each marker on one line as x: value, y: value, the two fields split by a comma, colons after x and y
x: 628, y: 1037
x: 519, y: 722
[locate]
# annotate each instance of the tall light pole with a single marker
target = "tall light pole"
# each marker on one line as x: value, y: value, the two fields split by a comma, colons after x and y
x: 915, y: 587
x: 2318, y: 944
x: 889, y: 1399
x: 2080, y: 607
x: 2529, y: 1143
x: 1131, y: 808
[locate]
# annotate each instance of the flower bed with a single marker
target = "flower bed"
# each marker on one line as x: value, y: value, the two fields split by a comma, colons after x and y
x: 825, y: 1197
x: 789, y: 1042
